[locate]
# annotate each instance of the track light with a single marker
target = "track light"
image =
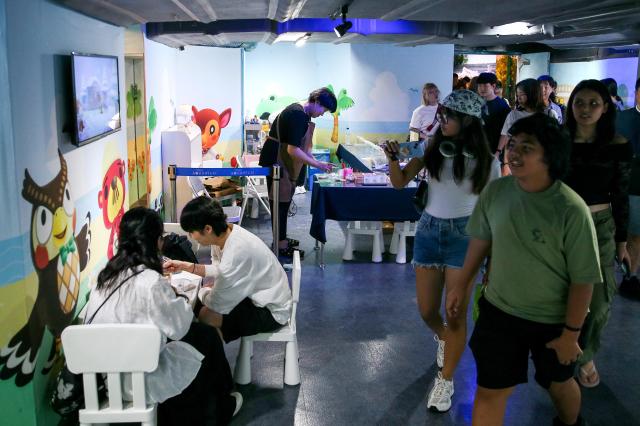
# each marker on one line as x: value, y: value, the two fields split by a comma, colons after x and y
x: 341, y: 29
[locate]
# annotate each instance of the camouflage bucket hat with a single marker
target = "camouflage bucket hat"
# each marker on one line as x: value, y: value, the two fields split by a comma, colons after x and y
x: 465, y: 102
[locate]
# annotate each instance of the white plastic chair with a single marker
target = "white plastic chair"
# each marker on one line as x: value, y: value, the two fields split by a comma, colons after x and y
x: 113, y: 349
x: 255, y: 189
x: 364, y: 228
x: 242, y: 373
x: 398, y: 246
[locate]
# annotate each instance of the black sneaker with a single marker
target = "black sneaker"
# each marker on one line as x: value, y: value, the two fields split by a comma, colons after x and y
x: 293, y: 243
x: 288, y: 252
x: 630, y: 288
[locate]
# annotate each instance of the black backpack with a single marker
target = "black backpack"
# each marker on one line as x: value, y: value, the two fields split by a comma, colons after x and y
x: 178, y: 247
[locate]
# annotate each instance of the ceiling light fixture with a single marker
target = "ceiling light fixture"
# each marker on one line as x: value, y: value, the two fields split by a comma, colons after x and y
x: 303, y: 40
x: 341, y: 29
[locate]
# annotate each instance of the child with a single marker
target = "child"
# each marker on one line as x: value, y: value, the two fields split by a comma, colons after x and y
x: 544, y: 261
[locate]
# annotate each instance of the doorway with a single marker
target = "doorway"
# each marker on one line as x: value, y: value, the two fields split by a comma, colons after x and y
x: 137, y: 146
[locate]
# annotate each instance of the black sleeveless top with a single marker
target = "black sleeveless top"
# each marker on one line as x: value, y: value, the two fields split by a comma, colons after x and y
x: 600, y: 175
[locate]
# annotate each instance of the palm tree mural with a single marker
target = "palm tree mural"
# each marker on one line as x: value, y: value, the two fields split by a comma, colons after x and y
x: 344, y: 103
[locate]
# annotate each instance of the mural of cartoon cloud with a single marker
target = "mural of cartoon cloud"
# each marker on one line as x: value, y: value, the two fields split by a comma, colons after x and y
x: 388, y: 101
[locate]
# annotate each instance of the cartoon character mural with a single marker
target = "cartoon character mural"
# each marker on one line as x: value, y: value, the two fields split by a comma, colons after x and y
x: 211, y: 123
x: 111, y: 200
x: 271, y: 106
x: 344, y: 102
x: 58, y: 257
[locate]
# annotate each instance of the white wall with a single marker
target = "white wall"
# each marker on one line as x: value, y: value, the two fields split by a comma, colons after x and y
x: 538, y: 65
x: 623, y: 70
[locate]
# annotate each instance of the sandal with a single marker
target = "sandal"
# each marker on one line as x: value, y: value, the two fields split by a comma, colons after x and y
x: 293, y: 243
x: 588, y: 377
x: 288, y: 252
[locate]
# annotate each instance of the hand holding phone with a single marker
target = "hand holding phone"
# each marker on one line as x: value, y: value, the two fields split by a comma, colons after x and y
x: 624, y: 267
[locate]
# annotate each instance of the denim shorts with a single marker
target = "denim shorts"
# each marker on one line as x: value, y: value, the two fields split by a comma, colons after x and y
x: 440, y: 243
x: 634, y: 215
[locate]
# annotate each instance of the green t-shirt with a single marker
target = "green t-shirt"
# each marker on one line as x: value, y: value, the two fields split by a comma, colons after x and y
x: 541, y: 242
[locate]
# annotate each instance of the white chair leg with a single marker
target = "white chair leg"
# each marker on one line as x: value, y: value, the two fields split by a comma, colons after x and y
x: 242, y: 210
x: 401, y: 257
x: 381, y: 242
x: 376, y: 256
x: 393, y: 247
x: 291, y: 365
x: 255, y: 209
x: 348, y: 246
x: 242, y: 373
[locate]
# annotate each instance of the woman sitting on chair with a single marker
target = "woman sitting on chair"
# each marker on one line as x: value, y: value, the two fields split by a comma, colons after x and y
x: 193, y: 380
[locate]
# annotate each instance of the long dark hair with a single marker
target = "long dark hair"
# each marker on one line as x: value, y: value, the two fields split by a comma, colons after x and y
x: 612, y: 87
x: 606, y: 127
x: 531, y: 89
x: 140, y: 229
x: 473, y: 139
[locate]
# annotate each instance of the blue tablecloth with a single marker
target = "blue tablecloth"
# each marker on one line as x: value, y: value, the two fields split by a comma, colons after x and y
x: 347, y: 201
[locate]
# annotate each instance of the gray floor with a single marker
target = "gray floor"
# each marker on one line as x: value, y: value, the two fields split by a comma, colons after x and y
x: 367, y: 358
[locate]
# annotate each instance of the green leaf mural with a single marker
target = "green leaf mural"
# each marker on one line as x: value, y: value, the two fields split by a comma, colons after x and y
x: 153, y: 117
x: 134, y: 104
x: 344, y: 103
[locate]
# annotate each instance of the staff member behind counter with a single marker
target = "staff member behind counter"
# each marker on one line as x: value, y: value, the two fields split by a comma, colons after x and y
x: 289, y: 145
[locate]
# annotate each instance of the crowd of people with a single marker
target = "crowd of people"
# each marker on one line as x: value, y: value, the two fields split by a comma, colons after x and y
x: 548, y: 233
x: 545, y: 230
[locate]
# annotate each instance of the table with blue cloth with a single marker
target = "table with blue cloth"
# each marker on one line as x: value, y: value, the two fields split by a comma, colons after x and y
x: 349, y: 202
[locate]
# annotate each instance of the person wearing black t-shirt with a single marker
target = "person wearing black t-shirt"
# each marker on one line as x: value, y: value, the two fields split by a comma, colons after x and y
x: 289, y: 146
x: 495, y: 110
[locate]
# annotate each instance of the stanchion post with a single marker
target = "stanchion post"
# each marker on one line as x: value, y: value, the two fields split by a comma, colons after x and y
x: 275, y: 196
x: 172, y: 193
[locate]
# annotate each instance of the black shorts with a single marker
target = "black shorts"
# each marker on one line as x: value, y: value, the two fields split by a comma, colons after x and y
x: 246, y: 319
x: 501, y: 344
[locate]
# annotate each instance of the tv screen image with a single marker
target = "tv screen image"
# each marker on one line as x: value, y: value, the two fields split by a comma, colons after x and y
x: 96, y: 95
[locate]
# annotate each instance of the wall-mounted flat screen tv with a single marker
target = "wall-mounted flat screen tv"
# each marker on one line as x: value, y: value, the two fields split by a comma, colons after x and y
x: 96, y: 95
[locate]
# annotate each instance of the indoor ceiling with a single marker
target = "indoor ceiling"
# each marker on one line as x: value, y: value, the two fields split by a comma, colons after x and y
x: 469, y: 24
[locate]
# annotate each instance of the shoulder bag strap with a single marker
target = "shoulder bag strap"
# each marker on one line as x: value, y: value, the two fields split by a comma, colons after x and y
x: 109, y: 296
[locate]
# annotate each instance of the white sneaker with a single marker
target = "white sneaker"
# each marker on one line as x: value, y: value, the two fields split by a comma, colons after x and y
x: 440, y: 395
x: 238, y: 397
x: 440, y: 354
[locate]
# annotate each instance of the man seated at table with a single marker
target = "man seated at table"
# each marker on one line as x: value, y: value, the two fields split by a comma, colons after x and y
x: 250, y: 293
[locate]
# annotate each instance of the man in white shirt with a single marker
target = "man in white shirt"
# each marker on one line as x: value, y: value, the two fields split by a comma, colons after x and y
x: 250, y: 293
x: 423, y: 120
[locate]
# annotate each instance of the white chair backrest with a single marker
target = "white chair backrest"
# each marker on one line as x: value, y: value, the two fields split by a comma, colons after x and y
x: 296, y: 275
x: 112, y: 349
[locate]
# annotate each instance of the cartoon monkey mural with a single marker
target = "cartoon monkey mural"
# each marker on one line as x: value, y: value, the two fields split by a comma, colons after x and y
x: 111, y: 200
x: 58, y: 257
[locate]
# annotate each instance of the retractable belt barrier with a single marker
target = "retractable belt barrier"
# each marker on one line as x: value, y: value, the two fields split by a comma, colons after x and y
x: 274, y: 172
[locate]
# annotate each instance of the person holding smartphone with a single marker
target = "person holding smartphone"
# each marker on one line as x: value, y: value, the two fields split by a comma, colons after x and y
x: 459, y: 164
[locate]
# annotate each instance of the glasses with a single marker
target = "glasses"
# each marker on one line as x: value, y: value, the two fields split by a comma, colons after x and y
x: 444, y: 114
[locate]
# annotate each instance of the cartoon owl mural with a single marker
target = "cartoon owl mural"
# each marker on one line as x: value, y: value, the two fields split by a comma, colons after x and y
x: 111, y: 200
x: 58, y: 257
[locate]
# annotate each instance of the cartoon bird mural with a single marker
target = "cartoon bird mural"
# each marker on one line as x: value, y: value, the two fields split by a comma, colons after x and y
x: 211, y: 124
x: 58, y: 257
x: 344, y: 102
x: 111, y: 200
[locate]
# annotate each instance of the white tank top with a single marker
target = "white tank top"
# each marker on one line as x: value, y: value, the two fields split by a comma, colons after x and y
x: 449, y: 200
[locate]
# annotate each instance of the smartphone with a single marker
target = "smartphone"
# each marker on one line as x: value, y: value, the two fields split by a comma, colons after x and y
x: 624, y: 267
x: 410, y: 149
